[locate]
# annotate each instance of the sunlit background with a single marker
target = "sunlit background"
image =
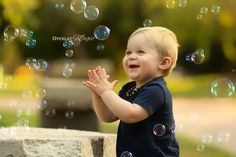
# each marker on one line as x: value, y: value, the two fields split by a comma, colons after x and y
x: 47, y: 46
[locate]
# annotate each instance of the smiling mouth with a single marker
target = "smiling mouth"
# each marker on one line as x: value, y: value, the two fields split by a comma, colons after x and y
x: 132, y: 66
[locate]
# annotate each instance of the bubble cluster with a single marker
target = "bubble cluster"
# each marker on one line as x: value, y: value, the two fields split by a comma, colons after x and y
x: 101, y: 32
x: 147, y: 23
x: 222, y: 87
x: 91, y: 12
x: 40, y: 93
x: 39, y: 64
x: 126, y: 154
x: 207, y: 138
x: 215, y: 9
x: 223, y: 137
x: 196, y: 57
x: 159, y: 129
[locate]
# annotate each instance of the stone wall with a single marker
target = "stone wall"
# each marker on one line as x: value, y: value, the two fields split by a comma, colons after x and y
x: 41, y: 142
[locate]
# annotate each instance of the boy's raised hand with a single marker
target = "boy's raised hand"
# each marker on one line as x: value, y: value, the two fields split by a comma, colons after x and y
x: 98, y: 81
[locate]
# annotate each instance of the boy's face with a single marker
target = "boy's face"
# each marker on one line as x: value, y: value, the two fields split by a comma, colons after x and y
x: 141, y: 59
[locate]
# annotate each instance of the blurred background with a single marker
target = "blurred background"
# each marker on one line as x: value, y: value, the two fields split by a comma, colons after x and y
x: 46, y: 48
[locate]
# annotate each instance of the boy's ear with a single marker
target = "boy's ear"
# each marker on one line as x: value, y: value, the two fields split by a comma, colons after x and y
x: 165, y: 63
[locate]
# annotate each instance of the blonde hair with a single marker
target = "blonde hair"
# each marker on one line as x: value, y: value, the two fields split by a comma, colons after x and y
x: 165, y: 42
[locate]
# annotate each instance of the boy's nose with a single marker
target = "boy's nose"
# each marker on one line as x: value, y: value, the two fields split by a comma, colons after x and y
x: 133, y: 56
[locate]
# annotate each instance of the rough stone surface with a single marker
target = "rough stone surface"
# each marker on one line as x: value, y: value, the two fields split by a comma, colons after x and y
x: 40, y: 142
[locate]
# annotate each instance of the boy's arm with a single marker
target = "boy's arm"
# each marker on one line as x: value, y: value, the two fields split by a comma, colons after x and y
x: 101, y: 110
x: 124, y: 110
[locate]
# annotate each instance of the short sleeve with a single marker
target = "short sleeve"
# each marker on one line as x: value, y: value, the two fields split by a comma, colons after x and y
x: 150, y: 98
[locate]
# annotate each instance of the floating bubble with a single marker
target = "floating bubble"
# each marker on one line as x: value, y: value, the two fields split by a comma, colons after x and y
x: 126, y: 154
x: 50, y: 112
x: 25, y: 33
x: 59, y: 4
x: 188, y: 57
x: 78, y: 6
x: 0, y: 117
x: 41, y: 65
x: 28, y: 112
x: 22, y: 122
x: 42, y: 104
x: 13, y: 103
x: 222, y: 87
x: 8, y: 78
x: 183, y: 3
x: 10, y: 33
x: 215, y: 9
x: 75, y: 42
x: 67, y: 71
x: 91, y: 12
x: 172, y: 128
x: 207, y: 138
x: 41, y: 93
x: 19, y: 112
x: 147, y: 23
x: 101, y: 32
x: 27, y: 94
x: 201, y: 147
x: 100, y: 47
x: 170, y: 4
x: 30, y: 43
x: 71, y: 103
x: 223, y: 137
x: 68, y: 44
x: 203, y: 10
x: 69, y: 114
x: 159, y: 129
x: 233, y: 70
x: 199, y: 16
x: 3, y: 85
x: 69, y: 53
x: 30, y: 63
x: 198, y: 56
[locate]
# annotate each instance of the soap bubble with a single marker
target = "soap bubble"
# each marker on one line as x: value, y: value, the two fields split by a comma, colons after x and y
x: 198, y: 56
x: 78, y: 6
x: 68, y: 44
x: 42, y: 104
x: 223, y: 137
x: 50, y: 112
x: 126, y: 154
x: 40, y: 93
x: 30, y: 63
x: 100, y: 47
x: 170, y: 4
x: 27, y: 94
x: 222, y: 87
x: 25, y: 33
x: 207, y: 138
x: 10, y: 33
x: 69, y: 114
x: 101, y: 32
x: 30, y: 43
x: 147, y: 23
x: 183, y: 3
x: 215, y: 9
x: 67, y: 71
x: 201, y: 147
x: 69, y: 53
x: 91, y: 12
x: 188, y: 57
x: 41, y: 65
x: 203, y: 10
x: 59, y: 4
x: 199, y: 16
x: 159, y: 129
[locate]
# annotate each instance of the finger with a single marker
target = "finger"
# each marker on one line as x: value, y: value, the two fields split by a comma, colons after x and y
x: 90, y: 75
x: 104, y: 73
x: 95, y: 76
x: 91, y: 85
x: 114, y: 83
x: 99, y: 73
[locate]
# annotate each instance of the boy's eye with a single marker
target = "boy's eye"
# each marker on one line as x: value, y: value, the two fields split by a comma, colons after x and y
x: 140, y: 52
x: 128, y: 52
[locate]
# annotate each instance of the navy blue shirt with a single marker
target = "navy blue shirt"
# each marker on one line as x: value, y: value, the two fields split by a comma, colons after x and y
x: 153, y: 136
